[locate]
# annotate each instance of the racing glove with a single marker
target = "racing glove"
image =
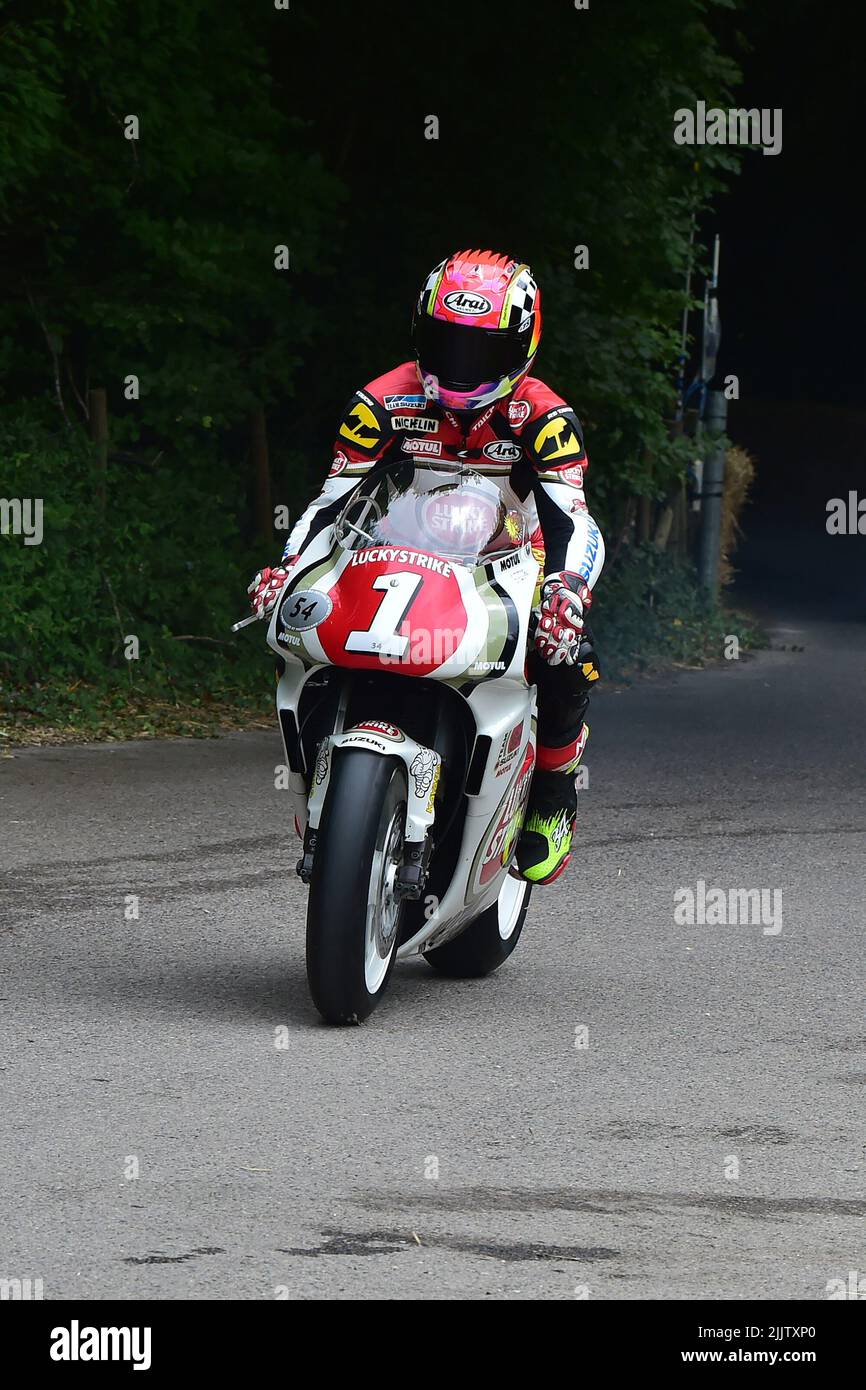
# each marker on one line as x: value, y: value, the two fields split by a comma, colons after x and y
x: 267, y: 586
x: 565, y: 598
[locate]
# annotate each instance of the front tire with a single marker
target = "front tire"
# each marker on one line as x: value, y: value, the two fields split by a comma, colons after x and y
x: 353, y: 915
x: 490, y: 939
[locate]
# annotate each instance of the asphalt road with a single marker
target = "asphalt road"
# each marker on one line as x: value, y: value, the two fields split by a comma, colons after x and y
x: 310, y: 1167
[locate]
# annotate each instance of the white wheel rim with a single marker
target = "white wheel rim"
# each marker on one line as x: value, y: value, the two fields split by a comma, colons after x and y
x: 383, y: 906
x: 509, y: 904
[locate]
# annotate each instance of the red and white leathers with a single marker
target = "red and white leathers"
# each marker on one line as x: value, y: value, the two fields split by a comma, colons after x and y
x: 531, y: 445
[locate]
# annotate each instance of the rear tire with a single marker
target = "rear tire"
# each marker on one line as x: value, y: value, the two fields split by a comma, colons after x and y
x: 490, y: 939
x: 353, y: 917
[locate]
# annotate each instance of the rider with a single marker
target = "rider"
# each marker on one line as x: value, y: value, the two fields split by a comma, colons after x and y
x: 468, y: 395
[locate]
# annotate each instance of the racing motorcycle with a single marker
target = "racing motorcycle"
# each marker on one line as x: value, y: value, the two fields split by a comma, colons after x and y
x: 409, y: 729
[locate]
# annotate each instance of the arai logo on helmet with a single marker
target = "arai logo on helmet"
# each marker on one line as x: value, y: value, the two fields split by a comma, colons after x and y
x: 464, y: 302
x: 502, y: 451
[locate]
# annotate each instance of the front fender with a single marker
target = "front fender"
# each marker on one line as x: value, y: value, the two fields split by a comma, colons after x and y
x: 423, y: 770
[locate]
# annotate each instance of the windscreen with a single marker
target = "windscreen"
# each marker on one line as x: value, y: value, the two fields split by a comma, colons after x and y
x: 454, y: 513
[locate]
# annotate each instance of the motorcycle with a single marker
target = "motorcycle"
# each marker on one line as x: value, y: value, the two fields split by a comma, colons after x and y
x: 409, y: 729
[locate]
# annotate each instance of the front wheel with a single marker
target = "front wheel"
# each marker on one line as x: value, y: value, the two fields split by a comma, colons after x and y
x: 353, y: 913
x: 490, y: 939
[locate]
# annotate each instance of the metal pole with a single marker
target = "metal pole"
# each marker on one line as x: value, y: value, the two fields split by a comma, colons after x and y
x: 711, y: 491
x: 684, y: 330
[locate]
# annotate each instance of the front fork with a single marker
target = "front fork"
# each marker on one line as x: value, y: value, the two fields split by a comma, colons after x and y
x: 423, y: 770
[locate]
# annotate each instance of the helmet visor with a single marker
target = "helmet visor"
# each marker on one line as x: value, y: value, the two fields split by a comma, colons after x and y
x: 464, y: 356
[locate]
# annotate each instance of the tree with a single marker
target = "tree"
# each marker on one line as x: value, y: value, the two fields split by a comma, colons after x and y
x: 147, y: 178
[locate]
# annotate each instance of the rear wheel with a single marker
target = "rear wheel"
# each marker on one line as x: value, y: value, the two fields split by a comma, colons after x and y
x: 491, y: 938
x: 353, y: 913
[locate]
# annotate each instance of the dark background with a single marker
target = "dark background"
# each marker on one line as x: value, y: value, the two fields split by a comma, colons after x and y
x: 793, y: 301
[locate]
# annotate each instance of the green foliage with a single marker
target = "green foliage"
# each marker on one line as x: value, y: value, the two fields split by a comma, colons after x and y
x: 154, y: 256
x: 632, y: 197
x: 100, y: 577
x: 650, y: 613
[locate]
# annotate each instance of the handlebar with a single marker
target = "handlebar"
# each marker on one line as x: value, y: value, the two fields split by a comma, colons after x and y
x: 245, y: 622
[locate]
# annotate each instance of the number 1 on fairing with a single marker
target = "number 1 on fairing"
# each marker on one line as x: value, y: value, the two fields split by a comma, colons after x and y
x: 382, y: 636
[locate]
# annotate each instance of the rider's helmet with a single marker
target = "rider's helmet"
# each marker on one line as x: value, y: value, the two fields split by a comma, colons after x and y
x: 476, y: 329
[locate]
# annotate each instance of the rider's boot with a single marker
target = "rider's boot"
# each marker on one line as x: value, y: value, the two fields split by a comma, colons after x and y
x: 544, y: 847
